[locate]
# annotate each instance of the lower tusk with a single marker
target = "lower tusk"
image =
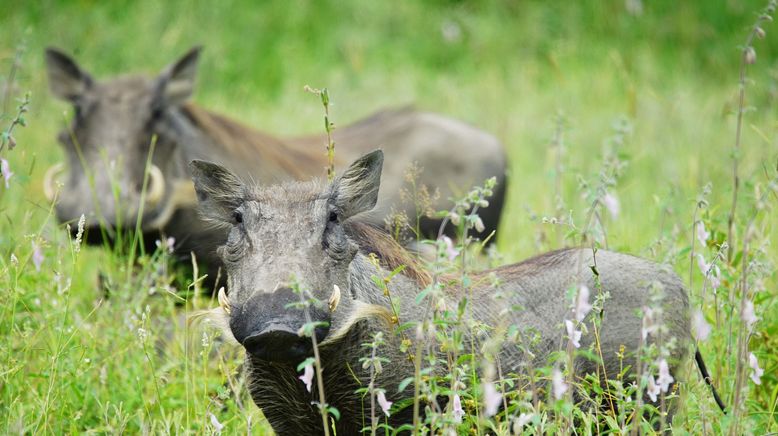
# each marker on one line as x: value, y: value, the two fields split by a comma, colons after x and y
x: 156, y: 185
x: 49, y: 180
x: 224, y: 302
x: 334, y: 298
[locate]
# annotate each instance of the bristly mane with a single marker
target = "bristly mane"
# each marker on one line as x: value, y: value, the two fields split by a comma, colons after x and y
x: 372, y: 239
x: 243, y: 142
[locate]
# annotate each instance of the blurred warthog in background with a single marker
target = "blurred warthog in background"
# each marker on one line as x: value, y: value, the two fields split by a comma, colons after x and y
x: 309, y: 236
x: 111, y: 176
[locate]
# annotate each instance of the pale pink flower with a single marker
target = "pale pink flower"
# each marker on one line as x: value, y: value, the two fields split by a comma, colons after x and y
x: 748, y: 315
x: 650, y: 322
x: 492, y: 399
x: 383, y: 402
x: 652, y: 390
x: 456, y: 409
x: 558, y: 384
x: 611, y: 203
x: 37, y: 256
x: 168, y: 244
x: 701, y: 327
x: 702, y: 234
x: 6, y: 170
x: 756, y: 371
x: 217, y: 426
x: 665, y: 379
x: 582, y: 306
x: 307, y: 376
x: 451, y: 251
x: 573, y: 334
x: 711, y: 272
x: 520, y: 422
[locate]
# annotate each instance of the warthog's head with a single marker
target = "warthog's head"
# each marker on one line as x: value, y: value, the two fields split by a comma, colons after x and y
x: 109, y: 175
x: 285, y: 241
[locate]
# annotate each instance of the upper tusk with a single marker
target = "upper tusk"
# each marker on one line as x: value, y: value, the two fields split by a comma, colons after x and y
x: 49, y: 188
x: 156, y: 185
x: 334, y: 298
x: 224, y: 302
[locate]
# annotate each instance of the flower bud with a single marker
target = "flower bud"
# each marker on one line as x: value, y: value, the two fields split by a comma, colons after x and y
x: 749, y: 55
x: 760, y: 33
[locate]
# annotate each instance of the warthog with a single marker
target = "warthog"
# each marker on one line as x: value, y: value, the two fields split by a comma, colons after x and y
x: 107, y: 147
x: 307, y: 236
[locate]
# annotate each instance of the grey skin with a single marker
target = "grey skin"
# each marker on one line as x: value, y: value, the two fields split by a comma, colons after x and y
x: 310, y: 234
x: 115, y: 120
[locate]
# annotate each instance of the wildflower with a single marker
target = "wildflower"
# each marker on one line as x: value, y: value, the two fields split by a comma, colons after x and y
x: 37, y: 256
x: 478, y: 224
x: 454, y: 217
x: 14, y: 260
x: 749, y: 55
x: 558, y: 384
x: 701, y: 327
x: 80, y: 232
x: 650, y: 322
x: 492, y: 399
x: 748, y: 315
x: 652, y: 390
x: 451, y: 252
x: 573, y: 334
x: 307, y: 376
x: 456, y: 409
x: 702, y: 234
x: 757, y: 372
x: 710, y: 271
x: 5, y: 169
x: 582, y: 306
x: 520, y: 422
x: 217, y: 426
x: 167, y: 245
x: 665, y: 379
x: 612, y: 204
x: 383, y: 402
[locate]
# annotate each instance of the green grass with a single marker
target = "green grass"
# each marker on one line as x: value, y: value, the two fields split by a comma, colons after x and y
x: 73, y: 360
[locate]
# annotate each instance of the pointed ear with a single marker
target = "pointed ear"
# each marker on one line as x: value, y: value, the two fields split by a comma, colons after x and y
x: 177, y: 81
x: 356, y: 191
x: 219, y: 191
x: 66, y: 80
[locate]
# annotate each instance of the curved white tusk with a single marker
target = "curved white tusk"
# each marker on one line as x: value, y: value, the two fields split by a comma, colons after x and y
x: 224, y: 302
x: 334, y: 298
x: 156, y: 185
x: 49, y: 187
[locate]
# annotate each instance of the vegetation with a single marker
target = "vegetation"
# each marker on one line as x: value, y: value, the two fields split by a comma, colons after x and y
x: 621, y: 123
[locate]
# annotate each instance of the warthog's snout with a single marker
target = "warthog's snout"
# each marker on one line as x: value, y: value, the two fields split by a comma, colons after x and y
x: 268, y: 326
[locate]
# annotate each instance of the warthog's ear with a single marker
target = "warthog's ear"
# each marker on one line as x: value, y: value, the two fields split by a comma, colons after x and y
x: 356, y: 191
x: 176, y: 83
x: 66, y: 80
x: 219, y: 191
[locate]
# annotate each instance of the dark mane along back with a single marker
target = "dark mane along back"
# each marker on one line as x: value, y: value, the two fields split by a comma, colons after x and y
x: 275, y: 158
x: 372, y: 239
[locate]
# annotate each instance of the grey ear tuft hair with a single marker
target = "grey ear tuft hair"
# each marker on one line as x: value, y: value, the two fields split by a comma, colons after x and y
x: 66, y: 79
x: 219, y: 191
x: 356, y: 190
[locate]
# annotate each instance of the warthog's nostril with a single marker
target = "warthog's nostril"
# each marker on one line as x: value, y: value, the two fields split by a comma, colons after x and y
x: 155, y: 189
x: 282, y: 345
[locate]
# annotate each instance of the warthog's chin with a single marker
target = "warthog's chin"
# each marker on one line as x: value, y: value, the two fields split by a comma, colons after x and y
x: 281, y: 344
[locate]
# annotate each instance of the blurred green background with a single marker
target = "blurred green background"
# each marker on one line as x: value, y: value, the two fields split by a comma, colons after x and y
x: 669, y: 68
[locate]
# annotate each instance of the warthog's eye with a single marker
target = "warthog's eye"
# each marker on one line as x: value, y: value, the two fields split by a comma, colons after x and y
x: 237, y: 216
x: 333, y: 217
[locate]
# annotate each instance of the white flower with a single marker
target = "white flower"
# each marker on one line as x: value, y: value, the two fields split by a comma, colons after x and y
x: 650, y: 322
x: 700, y: 326
x: 307, y: 376
x: 492, y: 399
x: 217, y: 426
x: 582, y: 306
x: 665, y: 379
x: 573, y: 334
x: 756, y: 374
x: 6, y: 170
x: 711, y: 271
x: 521, y: 421
x: 612, y: 204
x: 558, y: 384
x: 167, y: 245
x: 652, y: 390
x: 748, y: 315
x: 451, y: 252
x: 383, y: 402
x: 37, y: 256
x: 479, y: 225
x: 702, y: 234
x: 456, y: 409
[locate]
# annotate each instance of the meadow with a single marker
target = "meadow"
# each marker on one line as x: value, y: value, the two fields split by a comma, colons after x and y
x: 634, y: 101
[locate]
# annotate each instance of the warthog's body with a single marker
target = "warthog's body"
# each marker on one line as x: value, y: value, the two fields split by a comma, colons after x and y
x: 116, y: 119
x: 307, y: 231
